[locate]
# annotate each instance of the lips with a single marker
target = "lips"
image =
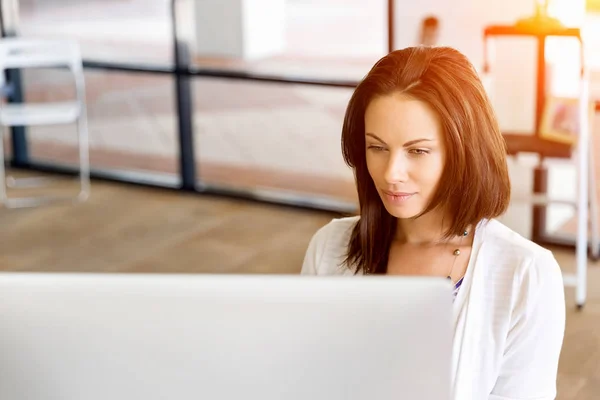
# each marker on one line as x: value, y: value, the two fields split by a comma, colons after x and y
x: 390, y: 193
x: 397, y: 197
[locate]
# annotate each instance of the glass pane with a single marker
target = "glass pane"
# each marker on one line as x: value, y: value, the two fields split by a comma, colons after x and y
x: 132, y: 31
x: 307, y: 38
x: 131, y: 118
x: 277, y: 136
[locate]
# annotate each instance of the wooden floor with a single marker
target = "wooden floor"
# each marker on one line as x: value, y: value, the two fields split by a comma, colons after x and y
x: 131, y: 229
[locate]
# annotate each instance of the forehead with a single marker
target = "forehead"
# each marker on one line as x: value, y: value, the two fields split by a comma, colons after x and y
x: 399, y: 117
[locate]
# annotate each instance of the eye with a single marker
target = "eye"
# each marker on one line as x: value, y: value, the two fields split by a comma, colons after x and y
x: 376, y: 147
x: 419, y: 152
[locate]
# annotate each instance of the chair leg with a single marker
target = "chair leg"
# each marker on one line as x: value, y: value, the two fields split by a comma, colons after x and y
x: 84, y: 160
x: 30, y: 182
x: 593, y: 201
x: 583, y: 193
x: 582, y: 240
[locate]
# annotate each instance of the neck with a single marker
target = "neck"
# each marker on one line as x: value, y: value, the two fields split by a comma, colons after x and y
x: 427, y: 229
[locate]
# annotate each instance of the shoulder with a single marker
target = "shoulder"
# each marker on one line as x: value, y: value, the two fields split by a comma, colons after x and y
x: 327, y: 248
x: 336, y: 230
x: 506, y: 244
x: 525, y: 266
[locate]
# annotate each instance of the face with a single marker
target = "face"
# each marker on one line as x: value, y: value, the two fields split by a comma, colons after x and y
x: 405, y: 153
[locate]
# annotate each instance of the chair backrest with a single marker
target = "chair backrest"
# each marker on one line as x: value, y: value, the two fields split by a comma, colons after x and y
x: 39, y: 53
x: 20, y: 53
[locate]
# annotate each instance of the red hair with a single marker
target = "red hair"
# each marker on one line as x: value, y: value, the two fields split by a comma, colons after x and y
x: 475, y: 183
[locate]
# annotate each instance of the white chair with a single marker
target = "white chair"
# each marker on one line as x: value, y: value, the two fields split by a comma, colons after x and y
x: 20, y: 53
x: 586, y: 203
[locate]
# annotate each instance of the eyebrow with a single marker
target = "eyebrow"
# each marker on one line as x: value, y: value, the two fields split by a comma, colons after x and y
x: 409, y: 143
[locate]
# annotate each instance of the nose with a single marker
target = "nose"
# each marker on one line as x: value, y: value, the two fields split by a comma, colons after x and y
x: 396, y: 169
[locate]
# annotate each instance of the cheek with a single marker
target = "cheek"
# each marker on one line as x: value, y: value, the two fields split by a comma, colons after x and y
x: 432, y: 173
x: 374, y: 166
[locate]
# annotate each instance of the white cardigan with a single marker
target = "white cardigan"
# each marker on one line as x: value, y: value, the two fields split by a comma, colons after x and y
x: 509, y: 314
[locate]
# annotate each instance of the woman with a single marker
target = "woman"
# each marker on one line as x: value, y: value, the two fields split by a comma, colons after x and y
x: 431, y: 174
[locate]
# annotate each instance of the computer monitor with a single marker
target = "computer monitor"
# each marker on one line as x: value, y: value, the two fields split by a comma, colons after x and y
x: 70, y: 336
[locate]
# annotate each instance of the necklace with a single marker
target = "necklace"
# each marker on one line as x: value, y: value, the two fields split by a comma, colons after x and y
x: 456, y: 253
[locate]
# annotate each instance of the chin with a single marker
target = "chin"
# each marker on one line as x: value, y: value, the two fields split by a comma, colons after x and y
x: 404, y: 211
x: 402, y: 214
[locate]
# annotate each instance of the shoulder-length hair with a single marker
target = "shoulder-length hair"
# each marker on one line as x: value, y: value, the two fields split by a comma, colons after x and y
x: 474, y: 184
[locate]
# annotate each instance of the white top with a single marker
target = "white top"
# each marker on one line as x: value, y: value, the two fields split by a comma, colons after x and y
x: 509, y: 314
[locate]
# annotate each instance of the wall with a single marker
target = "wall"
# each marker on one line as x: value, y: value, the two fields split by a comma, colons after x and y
x: 462, y: 25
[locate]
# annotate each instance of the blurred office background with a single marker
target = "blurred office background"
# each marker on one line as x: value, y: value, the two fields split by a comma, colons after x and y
x: 268, y: 82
